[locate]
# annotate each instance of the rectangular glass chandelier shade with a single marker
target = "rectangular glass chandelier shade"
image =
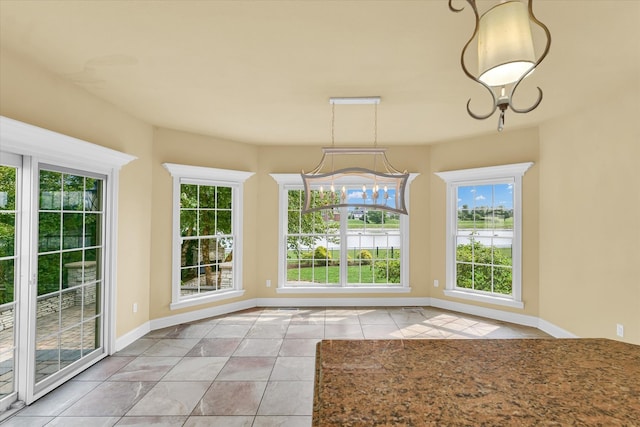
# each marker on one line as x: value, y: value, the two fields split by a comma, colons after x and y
x: 355, y: 187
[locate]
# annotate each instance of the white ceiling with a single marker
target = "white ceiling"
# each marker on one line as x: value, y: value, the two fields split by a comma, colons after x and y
x: 262, y: 71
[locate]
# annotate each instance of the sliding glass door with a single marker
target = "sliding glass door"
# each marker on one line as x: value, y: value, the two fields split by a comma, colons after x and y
x: 58, y: 219
x: 68, y: 309
x: 52, y: 292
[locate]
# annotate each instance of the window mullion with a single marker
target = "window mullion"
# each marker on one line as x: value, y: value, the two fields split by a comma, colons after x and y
x: 344, y: 264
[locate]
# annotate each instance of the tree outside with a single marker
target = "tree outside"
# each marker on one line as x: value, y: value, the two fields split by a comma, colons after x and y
x: 206, y: 229
x: 7, y: 232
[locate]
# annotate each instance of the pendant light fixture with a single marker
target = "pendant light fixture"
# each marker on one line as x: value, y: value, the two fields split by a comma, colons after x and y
x: 505, y: 53
x: 379, y: 187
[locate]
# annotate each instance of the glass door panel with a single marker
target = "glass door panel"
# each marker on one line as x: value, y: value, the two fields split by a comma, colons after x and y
x: 68, y: 308
x: 8, y: 259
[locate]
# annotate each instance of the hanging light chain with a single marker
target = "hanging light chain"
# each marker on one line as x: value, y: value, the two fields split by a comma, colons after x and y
x: 375, y: 145
x: 333, y: 125
x: 333, y: 144
x: 375, y: 125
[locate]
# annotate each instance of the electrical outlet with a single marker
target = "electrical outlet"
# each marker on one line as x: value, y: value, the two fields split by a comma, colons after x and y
x: 436, y: 283
x: 620, y: 330
x: 268, y: 283
x: 135, y: 307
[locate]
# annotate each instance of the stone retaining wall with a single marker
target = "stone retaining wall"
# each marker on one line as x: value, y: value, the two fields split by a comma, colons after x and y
x: 52, y: 304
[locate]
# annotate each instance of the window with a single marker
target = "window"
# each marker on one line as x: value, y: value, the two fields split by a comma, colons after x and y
x: 484, y: 233
x: 207, y: 233
x: 345, y: 249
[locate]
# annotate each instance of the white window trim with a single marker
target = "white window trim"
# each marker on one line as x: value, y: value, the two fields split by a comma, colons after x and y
x: 293, y: 181
x: 206, y: 176
x: 58, y: 149
x: 490, y: 174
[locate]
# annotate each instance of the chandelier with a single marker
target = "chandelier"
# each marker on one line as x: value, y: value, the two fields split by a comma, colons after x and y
x: 379, y: 187
x: 505, y: 53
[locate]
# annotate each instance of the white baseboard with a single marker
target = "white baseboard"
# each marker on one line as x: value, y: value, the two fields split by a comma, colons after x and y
x: 132, y: 335
x: 491, y: 313
x: 553, y: 330
x: 505, y: 316
x: 192, y: 316
x: 342, y: 302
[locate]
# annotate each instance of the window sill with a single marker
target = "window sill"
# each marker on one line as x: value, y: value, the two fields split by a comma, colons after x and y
x: 206, y: 299
x: 344, y: 290
x: 507, y: 302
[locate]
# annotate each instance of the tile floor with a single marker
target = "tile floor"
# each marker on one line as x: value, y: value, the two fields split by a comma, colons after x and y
x: 253, y: 368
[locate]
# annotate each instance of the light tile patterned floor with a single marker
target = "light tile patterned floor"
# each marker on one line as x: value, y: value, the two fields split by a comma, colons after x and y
x: 253, y: 368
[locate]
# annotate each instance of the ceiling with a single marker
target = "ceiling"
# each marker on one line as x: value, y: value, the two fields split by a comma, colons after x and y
x: 262, y: 72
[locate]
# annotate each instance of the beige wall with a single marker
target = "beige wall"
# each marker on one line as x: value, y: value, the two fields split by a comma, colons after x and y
x: 516, y: 146
x: 39, y: 98
x: 589, y: 234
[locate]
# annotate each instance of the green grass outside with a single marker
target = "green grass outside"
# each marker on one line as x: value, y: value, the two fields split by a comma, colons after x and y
x: 382, y: 254
x: 495, y: 223
x: 356, y: 224
x: 355, y: 274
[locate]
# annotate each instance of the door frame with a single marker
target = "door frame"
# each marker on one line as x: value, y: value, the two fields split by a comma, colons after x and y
x: 37, y: 145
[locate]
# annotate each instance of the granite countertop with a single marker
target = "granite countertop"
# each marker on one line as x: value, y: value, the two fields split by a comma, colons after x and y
x: 594, y: 382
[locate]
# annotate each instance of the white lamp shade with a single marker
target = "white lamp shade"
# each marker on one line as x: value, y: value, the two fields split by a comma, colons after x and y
x: 505, y: 45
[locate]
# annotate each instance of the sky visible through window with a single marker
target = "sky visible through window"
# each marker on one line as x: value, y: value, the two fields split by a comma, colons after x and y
x: 496, y: 195
x: 355, y: 195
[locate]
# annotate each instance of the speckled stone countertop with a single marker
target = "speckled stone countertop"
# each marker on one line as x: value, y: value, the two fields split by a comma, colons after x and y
x: 519, y: 382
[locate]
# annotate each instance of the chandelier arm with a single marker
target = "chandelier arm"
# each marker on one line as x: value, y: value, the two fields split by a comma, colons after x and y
x: 546, y: 32
x: 525, y: 110
x: 475, y: 32
x: 453, y: 9
x: 318, y: 168
x: 533, y: 18
x: 466, y: 71
x: 485, y: 116
x: 389, y: 167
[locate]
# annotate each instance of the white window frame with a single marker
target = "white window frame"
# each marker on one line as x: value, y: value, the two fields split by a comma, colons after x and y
x: 290, y: 181
x: 186, y: 174
x: 512, y: 173
x: 15, y: 161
